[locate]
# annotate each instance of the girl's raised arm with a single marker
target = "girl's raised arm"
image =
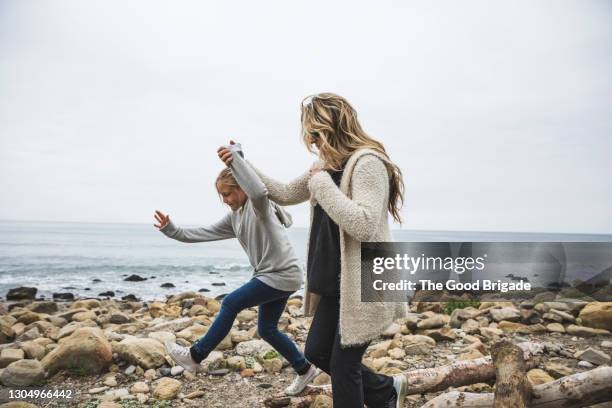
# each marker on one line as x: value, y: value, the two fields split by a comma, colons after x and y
x: 248, y: 180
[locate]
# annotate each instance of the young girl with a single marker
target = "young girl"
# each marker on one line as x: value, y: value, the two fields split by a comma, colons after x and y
x: 351, y: 190
x: 259, y: 225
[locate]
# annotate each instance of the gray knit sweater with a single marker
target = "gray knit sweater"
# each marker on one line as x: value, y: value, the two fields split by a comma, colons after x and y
x: 259, y: 226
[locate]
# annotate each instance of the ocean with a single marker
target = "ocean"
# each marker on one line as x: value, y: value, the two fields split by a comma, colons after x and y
x: 70, y: 257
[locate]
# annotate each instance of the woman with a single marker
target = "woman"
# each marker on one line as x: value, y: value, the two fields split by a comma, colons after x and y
x: 259, y: 225
x: 352, y: 189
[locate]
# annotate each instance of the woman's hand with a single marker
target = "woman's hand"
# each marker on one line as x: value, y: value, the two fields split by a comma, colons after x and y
x: 225, y: 154
x: 162, y: 219
x: 314, y: 169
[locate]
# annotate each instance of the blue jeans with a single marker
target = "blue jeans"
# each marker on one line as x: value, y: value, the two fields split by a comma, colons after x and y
x: 271, y: 305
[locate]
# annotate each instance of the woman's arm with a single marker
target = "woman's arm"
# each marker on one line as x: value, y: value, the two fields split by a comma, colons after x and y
x: 360, y: 215
x: 294, y: 192
x: 222, y: 229
x: 291, y: 193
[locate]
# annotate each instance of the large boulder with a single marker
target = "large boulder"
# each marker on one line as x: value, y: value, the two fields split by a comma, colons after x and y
x: 21, y: 293
x: 146, y: 353
x: 33, y: 350
x: 10, y: 355
x: 86, y: 304
x: 47, y: 307
x: 6, y: 332
x: 23, y: 373
x: 86, y: 351
x: 597, y: 315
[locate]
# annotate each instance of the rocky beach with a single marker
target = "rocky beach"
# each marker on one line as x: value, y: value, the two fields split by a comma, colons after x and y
x: 110, y: 352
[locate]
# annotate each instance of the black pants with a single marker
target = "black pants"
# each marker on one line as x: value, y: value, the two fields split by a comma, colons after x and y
x: 352, y: 382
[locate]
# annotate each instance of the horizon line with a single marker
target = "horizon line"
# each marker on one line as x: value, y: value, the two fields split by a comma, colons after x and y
x: 305, y: 227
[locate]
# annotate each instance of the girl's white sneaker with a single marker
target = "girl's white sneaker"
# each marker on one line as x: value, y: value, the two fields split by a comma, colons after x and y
x: 301, y: 381
x: 182, y: 356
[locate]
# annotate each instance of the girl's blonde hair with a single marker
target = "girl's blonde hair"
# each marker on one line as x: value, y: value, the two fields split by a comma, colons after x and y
x: 226, y: 178
x: 331, y: 119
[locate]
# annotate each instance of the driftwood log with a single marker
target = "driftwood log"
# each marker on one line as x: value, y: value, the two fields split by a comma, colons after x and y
x: 512, y: 389
x: 434, y: 379
x: 574, y: 391
x: 463, y: 372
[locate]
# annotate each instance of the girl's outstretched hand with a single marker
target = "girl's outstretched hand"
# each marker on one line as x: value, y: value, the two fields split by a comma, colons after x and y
x: 161, y: 218
x: 225, y: 154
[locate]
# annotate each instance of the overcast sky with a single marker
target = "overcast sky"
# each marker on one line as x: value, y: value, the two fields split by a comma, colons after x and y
x: 498, y: 113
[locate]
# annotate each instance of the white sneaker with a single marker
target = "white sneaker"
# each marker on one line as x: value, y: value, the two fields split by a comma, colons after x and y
x: 400, y: 384
x: 301, y: 381
x: 182, y: 357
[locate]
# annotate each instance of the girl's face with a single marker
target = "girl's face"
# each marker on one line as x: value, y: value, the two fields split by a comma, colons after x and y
x: 232, y: 196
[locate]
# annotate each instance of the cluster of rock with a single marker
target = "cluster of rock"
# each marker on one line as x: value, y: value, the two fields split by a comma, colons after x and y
x: 110, y: 338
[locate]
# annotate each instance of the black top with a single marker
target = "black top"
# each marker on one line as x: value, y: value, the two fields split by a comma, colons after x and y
x: 323, y: 269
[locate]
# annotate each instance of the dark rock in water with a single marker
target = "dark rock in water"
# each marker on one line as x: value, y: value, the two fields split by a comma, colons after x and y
x: 152, y: 277
x: 167, y: 285
x: 130, y: 298
x: 219, y: 284
x: 87, y: 289
x: 21, y: 293
x: 186, y: 281
x: 204, y: 290
x: 97, y: 280
x: 134, y: 278
x: 213, y: 273
x: 63, y: 296
x: 165, y: 371
x: 68, y: 288
x: 109, y: 293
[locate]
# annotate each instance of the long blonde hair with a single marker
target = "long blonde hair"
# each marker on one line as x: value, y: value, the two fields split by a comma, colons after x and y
x: 331, y: 119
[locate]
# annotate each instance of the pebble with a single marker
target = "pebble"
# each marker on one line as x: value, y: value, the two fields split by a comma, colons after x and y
x: 195, y: 394
x: 150, y: 374
x: 130, y: 370
x: 110, y: 381
x: 176, y: 370
x: 219, y: 372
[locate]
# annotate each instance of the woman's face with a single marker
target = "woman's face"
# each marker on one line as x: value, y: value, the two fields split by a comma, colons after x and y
x: 232, y: 196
